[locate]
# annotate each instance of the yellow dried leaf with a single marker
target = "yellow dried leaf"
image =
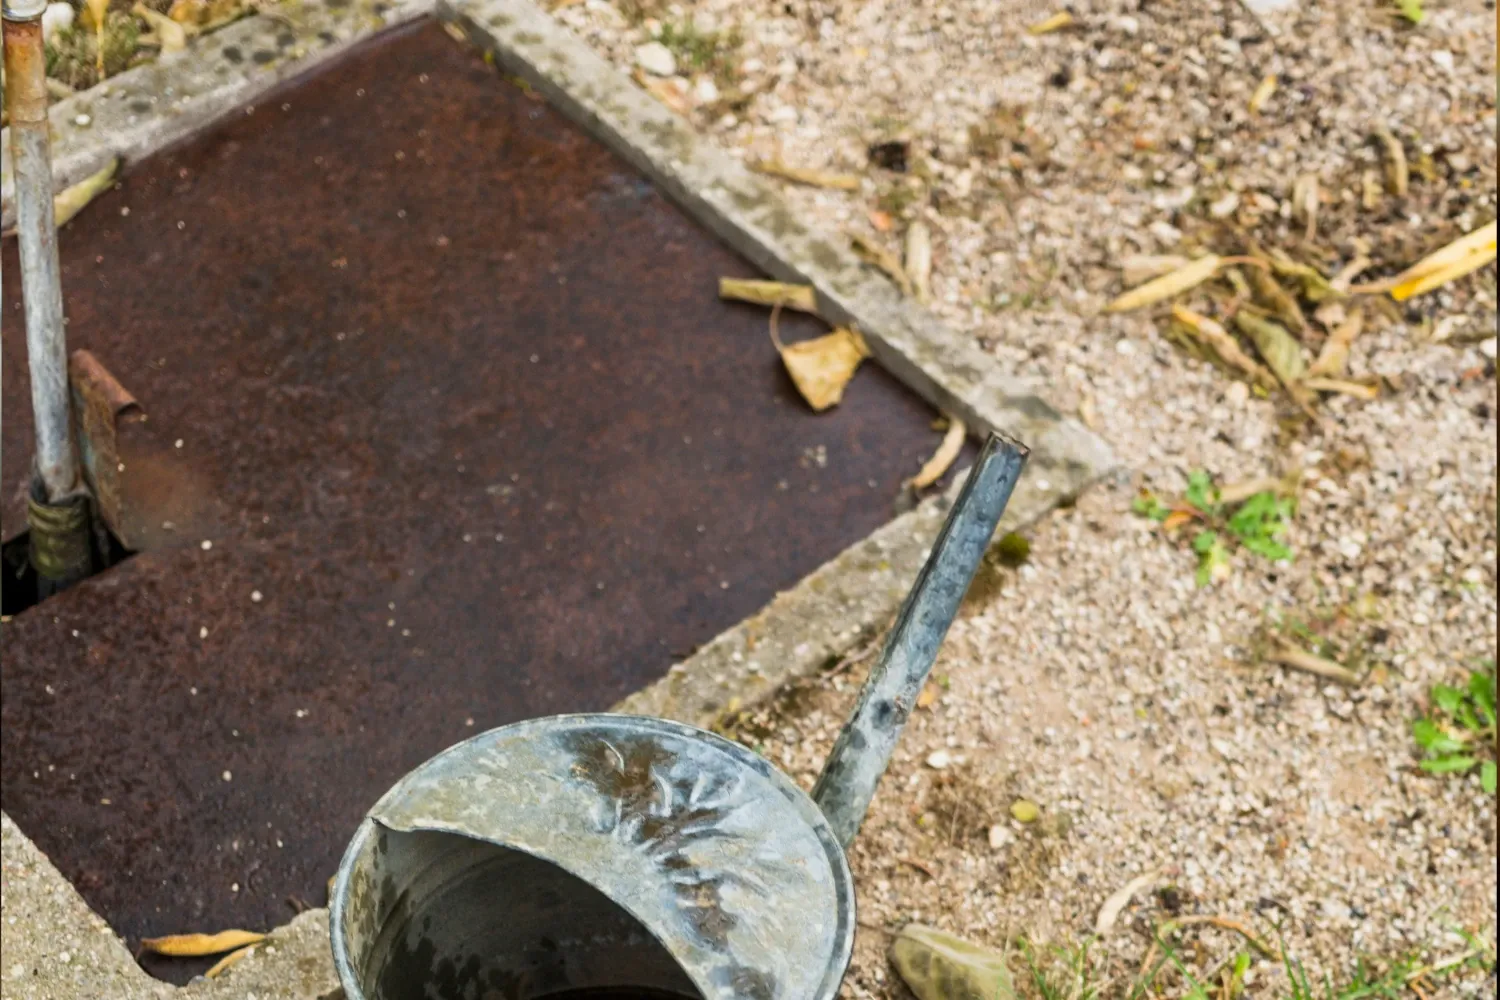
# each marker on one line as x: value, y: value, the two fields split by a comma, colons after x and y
x: 1315, y: 286
x: 198, y: 945
x: 1224, y: 345
x: 1455, y: 260
x: 885, y: 260
x: 668, y: 92
x: 1305, y: 199
x: 928, y: 697
x: 188, y: 11
x: 1176, y: 519
x: 72, y: 200
x: 171, y: 35
x: 1141, y: 268
x: 769, y: 293
x: 1024, y: 811
x: 1181, y: 280
x: 1359, y: 390
x: 1056, y: 22
x: 919, y: 260
x: 1280, y: 350
x: 1397, y: 173
x: 942, y: 459
x: 1262, y: 94
x: 1334, y: 356
x: 218, y: 968
x: 1281, y: 303
x: 806, y: 175
x: 822, y: 367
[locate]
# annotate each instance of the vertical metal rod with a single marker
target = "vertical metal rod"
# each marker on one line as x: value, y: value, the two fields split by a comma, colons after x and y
x: 46, y: 342
x: 864, y: 747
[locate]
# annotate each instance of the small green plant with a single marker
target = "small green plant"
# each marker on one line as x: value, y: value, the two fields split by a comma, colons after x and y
x: 1412, y: 10
x: 1067, y: 973
x: 702, y: 51
x: 1256, y: 524
x: 1460, y: 728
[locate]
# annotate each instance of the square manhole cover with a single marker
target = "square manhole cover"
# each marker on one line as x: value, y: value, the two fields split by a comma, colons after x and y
x: 452, y: 431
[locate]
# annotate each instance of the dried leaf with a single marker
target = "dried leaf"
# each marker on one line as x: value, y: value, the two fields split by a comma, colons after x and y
x: 1262, y: 94
x: 198, y: 945
x: 1181, y: 280
x: 822, y: 367
x: 94, y: 13
x: 1305, y: 198
x: 1334, y: 357
x: 882, y: 221
x: 1370, y: 190
x: 222, y: 965
x: 1358, y: 390
x: 1455, y: 260
x: 73, y: 200
x: 1397, y: 173
x: 885, y: 260
x: 806, y: 175
x: 1056, y: 22
x: 1290, y: 656
x: 939, y: 966
x: 188, y: 11
x: 927, y: 697
x: 1141, y: 268
x: 919, y: 260
x: 1224, y: 345
x: 1024, y: 811
x: 171, y: 35
x: 769, y: 293
x: 1315, y: 286
x: 947, y: 452
x: 98, y: 11
x: 668, y: 91
x: 1342, y: 281
x: 1280, y: 350
x: 1087, y: 412
x: 1236, y: 493
x: 1176, y: 519
x: 1281, y: 303
x: 1110, y: 912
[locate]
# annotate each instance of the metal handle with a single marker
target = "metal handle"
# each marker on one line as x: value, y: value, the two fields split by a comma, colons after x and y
x: 864, y: 747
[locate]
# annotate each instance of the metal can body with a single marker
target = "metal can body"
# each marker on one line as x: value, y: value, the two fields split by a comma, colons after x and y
x: 594, y: 852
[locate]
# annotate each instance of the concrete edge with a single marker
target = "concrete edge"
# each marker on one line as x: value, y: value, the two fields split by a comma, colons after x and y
x: 746, y: 212
x: 143, y: 110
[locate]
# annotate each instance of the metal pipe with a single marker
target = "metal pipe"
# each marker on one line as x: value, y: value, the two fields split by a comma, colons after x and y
x: 36, y: 228
x: 864, y: 746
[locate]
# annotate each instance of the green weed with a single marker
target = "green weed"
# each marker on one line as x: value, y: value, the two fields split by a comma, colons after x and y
x: 1257, y: 524
x: 1461, y: 728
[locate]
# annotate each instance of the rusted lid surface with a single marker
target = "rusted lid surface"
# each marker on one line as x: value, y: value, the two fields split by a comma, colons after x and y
x: 722, y: 857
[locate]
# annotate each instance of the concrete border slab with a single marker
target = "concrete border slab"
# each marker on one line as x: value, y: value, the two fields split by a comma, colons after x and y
x: 148, y: 108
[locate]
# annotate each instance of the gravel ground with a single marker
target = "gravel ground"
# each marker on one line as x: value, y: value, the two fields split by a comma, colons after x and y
x: 1098, y: 680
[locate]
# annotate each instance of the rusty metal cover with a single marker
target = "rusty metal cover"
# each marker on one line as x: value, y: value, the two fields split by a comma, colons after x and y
x: 719, y: 855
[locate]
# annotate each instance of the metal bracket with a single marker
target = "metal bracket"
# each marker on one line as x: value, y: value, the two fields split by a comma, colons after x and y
x: 102, y: 407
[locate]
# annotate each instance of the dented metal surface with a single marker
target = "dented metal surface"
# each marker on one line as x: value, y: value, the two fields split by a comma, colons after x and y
x: 711, y: 851
x: 863, y: 749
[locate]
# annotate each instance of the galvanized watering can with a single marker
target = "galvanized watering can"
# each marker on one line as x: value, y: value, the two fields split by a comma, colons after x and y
x: 613, y: 856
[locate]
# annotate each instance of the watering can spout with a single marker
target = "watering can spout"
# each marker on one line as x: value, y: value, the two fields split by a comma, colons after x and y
x: 864, y: 747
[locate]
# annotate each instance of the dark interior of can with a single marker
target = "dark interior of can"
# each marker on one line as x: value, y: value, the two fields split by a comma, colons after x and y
x: 454, y: 918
